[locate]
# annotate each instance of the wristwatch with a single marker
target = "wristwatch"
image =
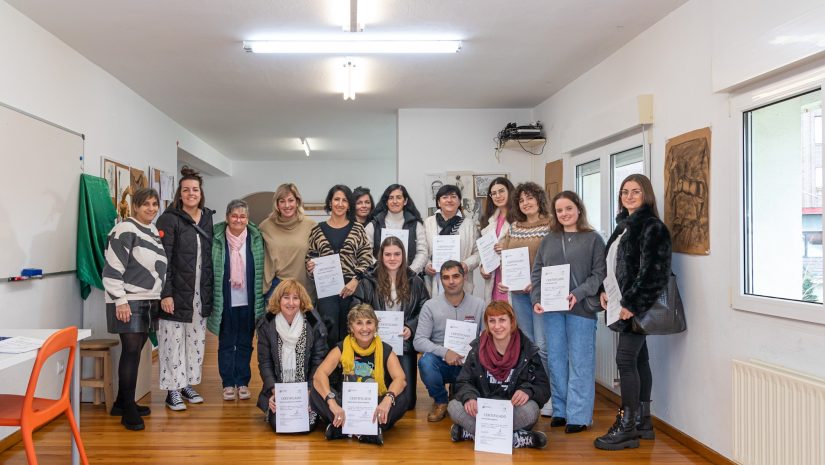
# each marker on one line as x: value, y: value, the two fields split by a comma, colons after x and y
x: 329, y: 396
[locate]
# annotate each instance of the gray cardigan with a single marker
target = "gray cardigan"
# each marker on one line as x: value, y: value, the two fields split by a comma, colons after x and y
x: 586, y: 255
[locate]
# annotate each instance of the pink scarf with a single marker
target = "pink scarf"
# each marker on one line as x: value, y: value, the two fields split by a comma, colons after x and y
x: 237, y: 271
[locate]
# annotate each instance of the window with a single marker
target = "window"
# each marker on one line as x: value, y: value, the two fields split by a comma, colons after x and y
x: 782, y: 199
x: 622, y: 165
x: 588, y: 186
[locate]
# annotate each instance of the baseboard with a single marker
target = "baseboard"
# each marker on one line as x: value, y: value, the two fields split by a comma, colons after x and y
x: 681, y: 437
x: 10, y: 440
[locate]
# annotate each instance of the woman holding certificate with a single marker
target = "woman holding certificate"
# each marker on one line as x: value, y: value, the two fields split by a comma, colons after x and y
x: 394, y: 287
x: 570, y: 327
x: 502, y: 364
x: 494, y: 220
x: 292, y: 343
x: 360, y: 358
x: 396, y: 213
x: 449, y: 220
x: 286, y: 240
x: 638, y: 270
x: 529, y: 224
x: 344, y: 241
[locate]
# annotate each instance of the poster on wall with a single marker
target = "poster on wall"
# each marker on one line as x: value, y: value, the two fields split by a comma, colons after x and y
x: 432, y: 183
x: 160, y: 181
x: 482, y: 183
x: 687, y: 196
x: 118, y: 177
x: 464, y: 181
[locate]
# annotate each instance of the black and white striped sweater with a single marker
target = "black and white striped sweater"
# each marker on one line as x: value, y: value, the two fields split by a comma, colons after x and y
x: 135, y: 263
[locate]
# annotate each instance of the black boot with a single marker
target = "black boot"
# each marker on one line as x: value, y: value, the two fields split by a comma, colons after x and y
x: 622, y: 435
x: 117, y: 407
x: 131, y: 418
x: 644, y: 425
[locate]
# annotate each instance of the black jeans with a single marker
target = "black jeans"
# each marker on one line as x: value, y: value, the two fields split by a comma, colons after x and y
x: 396, y: 411
x: 334, y: 311
x: 409, y: 363
x: 633, y: 362
x: 235, y: 345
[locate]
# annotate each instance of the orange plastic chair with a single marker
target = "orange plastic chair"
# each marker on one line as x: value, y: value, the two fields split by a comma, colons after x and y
x: 29, y: 412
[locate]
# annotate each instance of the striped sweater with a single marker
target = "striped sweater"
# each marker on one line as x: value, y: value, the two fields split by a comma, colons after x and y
x: 524, y: 234
x: 135, y: 263
x: 356, y: 253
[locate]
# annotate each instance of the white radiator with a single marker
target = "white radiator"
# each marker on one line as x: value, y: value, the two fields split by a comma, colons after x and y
x: 606, y: 342
x: 778, y: 415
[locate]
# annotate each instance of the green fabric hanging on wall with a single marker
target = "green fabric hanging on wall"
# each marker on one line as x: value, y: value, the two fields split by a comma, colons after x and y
x: 95, y: 219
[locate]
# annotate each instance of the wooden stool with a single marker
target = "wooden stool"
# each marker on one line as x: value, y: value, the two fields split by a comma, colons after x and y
x: 100, y: 350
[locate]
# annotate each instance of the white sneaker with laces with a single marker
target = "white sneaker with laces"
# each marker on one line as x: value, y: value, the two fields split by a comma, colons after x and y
x: 243, y: 393
x: 229, y: 393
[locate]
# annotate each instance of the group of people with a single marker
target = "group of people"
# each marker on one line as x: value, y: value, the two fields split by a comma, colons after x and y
x: 185, y: 275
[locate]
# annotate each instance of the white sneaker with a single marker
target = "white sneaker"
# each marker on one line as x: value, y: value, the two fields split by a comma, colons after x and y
x: 547, y: 409
x: 229, y: 393
x: 243, y: 393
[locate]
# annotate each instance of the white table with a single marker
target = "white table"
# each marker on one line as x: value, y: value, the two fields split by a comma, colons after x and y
x: 10, y: 360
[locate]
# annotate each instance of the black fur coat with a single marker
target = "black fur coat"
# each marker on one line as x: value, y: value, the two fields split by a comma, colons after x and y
x: 642, y: 260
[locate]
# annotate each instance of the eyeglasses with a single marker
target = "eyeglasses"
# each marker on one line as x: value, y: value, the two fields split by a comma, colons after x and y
x: 498, y: 192
x: 627, y: 193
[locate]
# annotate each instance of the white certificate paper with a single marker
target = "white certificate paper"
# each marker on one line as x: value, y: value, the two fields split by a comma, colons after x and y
x: 359, y: 403
x: 329, y: 279
x: 515, y: 268
x: 555, y: 287
x: 402, y: 234
x: 458, y: 335
x: 292, y: 402
x: 614, y: 301
x: 494, y: 426
x: 446, y: 248
x: 490, y: 260
x: 390, y: 327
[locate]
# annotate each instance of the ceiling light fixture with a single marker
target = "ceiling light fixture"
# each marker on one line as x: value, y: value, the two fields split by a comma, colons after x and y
x: 353, y: 25
x: 349, y: 69
x: 305, y: 145
x: 352, y: 47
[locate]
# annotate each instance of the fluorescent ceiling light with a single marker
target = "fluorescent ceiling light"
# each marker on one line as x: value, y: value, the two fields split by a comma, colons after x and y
x: 305, y: 144
x: 349, y: 90
x: 352, y: 47
x: 352, y: 24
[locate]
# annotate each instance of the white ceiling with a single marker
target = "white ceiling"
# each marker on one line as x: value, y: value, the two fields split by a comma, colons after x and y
x: 185, y: 57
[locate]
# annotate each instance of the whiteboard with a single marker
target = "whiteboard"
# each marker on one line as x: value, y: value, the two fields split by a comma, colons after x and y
x: 39, y: 188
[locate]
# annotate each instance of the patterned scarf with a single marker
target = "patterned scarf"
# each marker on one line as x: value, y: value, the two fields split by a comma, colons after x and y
x: 376, y: 349
x: 237, y: 272
x: 496, y: 364
x: 448, y: 227
x: 292, y: 348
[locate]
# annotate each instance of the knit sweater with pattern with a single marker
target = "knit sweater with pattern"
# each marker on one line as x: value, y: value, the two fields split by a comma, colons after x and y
x: 527, y: 234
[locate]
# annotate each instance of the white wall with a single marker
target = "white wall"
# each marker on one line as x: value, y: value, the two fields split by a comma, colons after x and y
x: 45, y: 77
x: 313, y: 178
x: 692, y: 371
x: 439, y: 140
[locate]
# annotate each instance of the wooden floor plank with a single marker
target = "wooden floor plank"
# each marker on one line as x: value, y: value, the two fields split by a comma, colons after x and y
x: 218, y: 432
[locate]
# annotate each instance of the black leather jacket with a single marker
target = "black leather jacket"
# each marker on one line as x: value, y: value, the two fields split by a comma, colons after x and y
x: 178, y: 235
x: 269, y: 363
x: 367, y: 293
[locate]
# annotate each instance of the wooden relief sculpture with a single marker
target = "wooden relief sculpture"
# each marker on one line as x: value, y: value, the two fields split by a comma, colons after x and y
x: 687, y: 198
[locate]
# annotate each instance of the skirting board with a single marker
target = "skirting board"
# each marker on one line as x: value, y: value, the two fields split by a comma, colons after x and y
x: 682, y: 438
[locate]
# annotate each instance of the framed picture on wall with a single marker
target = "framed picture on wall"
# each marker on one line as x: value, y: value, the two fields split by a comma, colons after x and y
x: 482, y: 182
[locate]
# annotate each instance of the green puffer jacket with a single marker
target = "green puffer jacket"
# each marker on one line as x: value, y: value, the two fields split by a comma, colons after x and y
x: 219, y: 266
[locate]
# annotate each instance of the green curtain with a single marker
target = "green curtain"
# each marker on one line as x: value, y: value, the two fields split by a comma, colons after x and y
x: 95, y: 219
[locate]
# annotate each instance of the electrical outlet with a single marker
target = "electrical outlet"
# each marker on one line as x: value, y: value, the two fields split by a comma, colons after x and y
x: 61, y: 366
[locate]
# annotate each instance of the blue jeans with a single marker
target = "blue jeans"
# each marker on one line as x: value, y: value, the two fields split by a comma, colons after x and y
x: 435, y: 373
x: 571, y: 350
x: 235, y: 345
x: 530, y: 323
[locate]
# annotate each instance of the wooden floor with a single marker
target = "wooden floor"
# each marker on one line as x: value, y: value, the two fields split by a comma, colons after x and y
x: 221, y: 433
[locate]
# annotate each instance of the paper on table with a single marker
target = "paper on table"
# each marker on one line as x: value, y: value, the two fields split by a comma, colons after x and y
x: 390, y: 327
x: 555, y: 287
x: 490, y: 260
x: 515, y: 268
x: 359, y: 403
x: 292, y: 402
x: 614, y: 301
x: 329, y: 279
x: 19, y: 345
x: 494, y: 426
x: 458, y: 335
x: 445, y: 248
x: 401, y: 234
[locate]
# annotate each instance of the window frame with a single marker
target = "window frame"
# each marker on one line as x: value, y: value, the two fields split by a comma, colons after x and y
x: 766, y: 94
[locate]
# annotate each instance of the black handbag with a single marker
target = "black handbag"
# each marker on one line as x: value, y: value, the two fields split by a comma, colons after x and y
x: 590, y: 303
x: 665, y: 316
